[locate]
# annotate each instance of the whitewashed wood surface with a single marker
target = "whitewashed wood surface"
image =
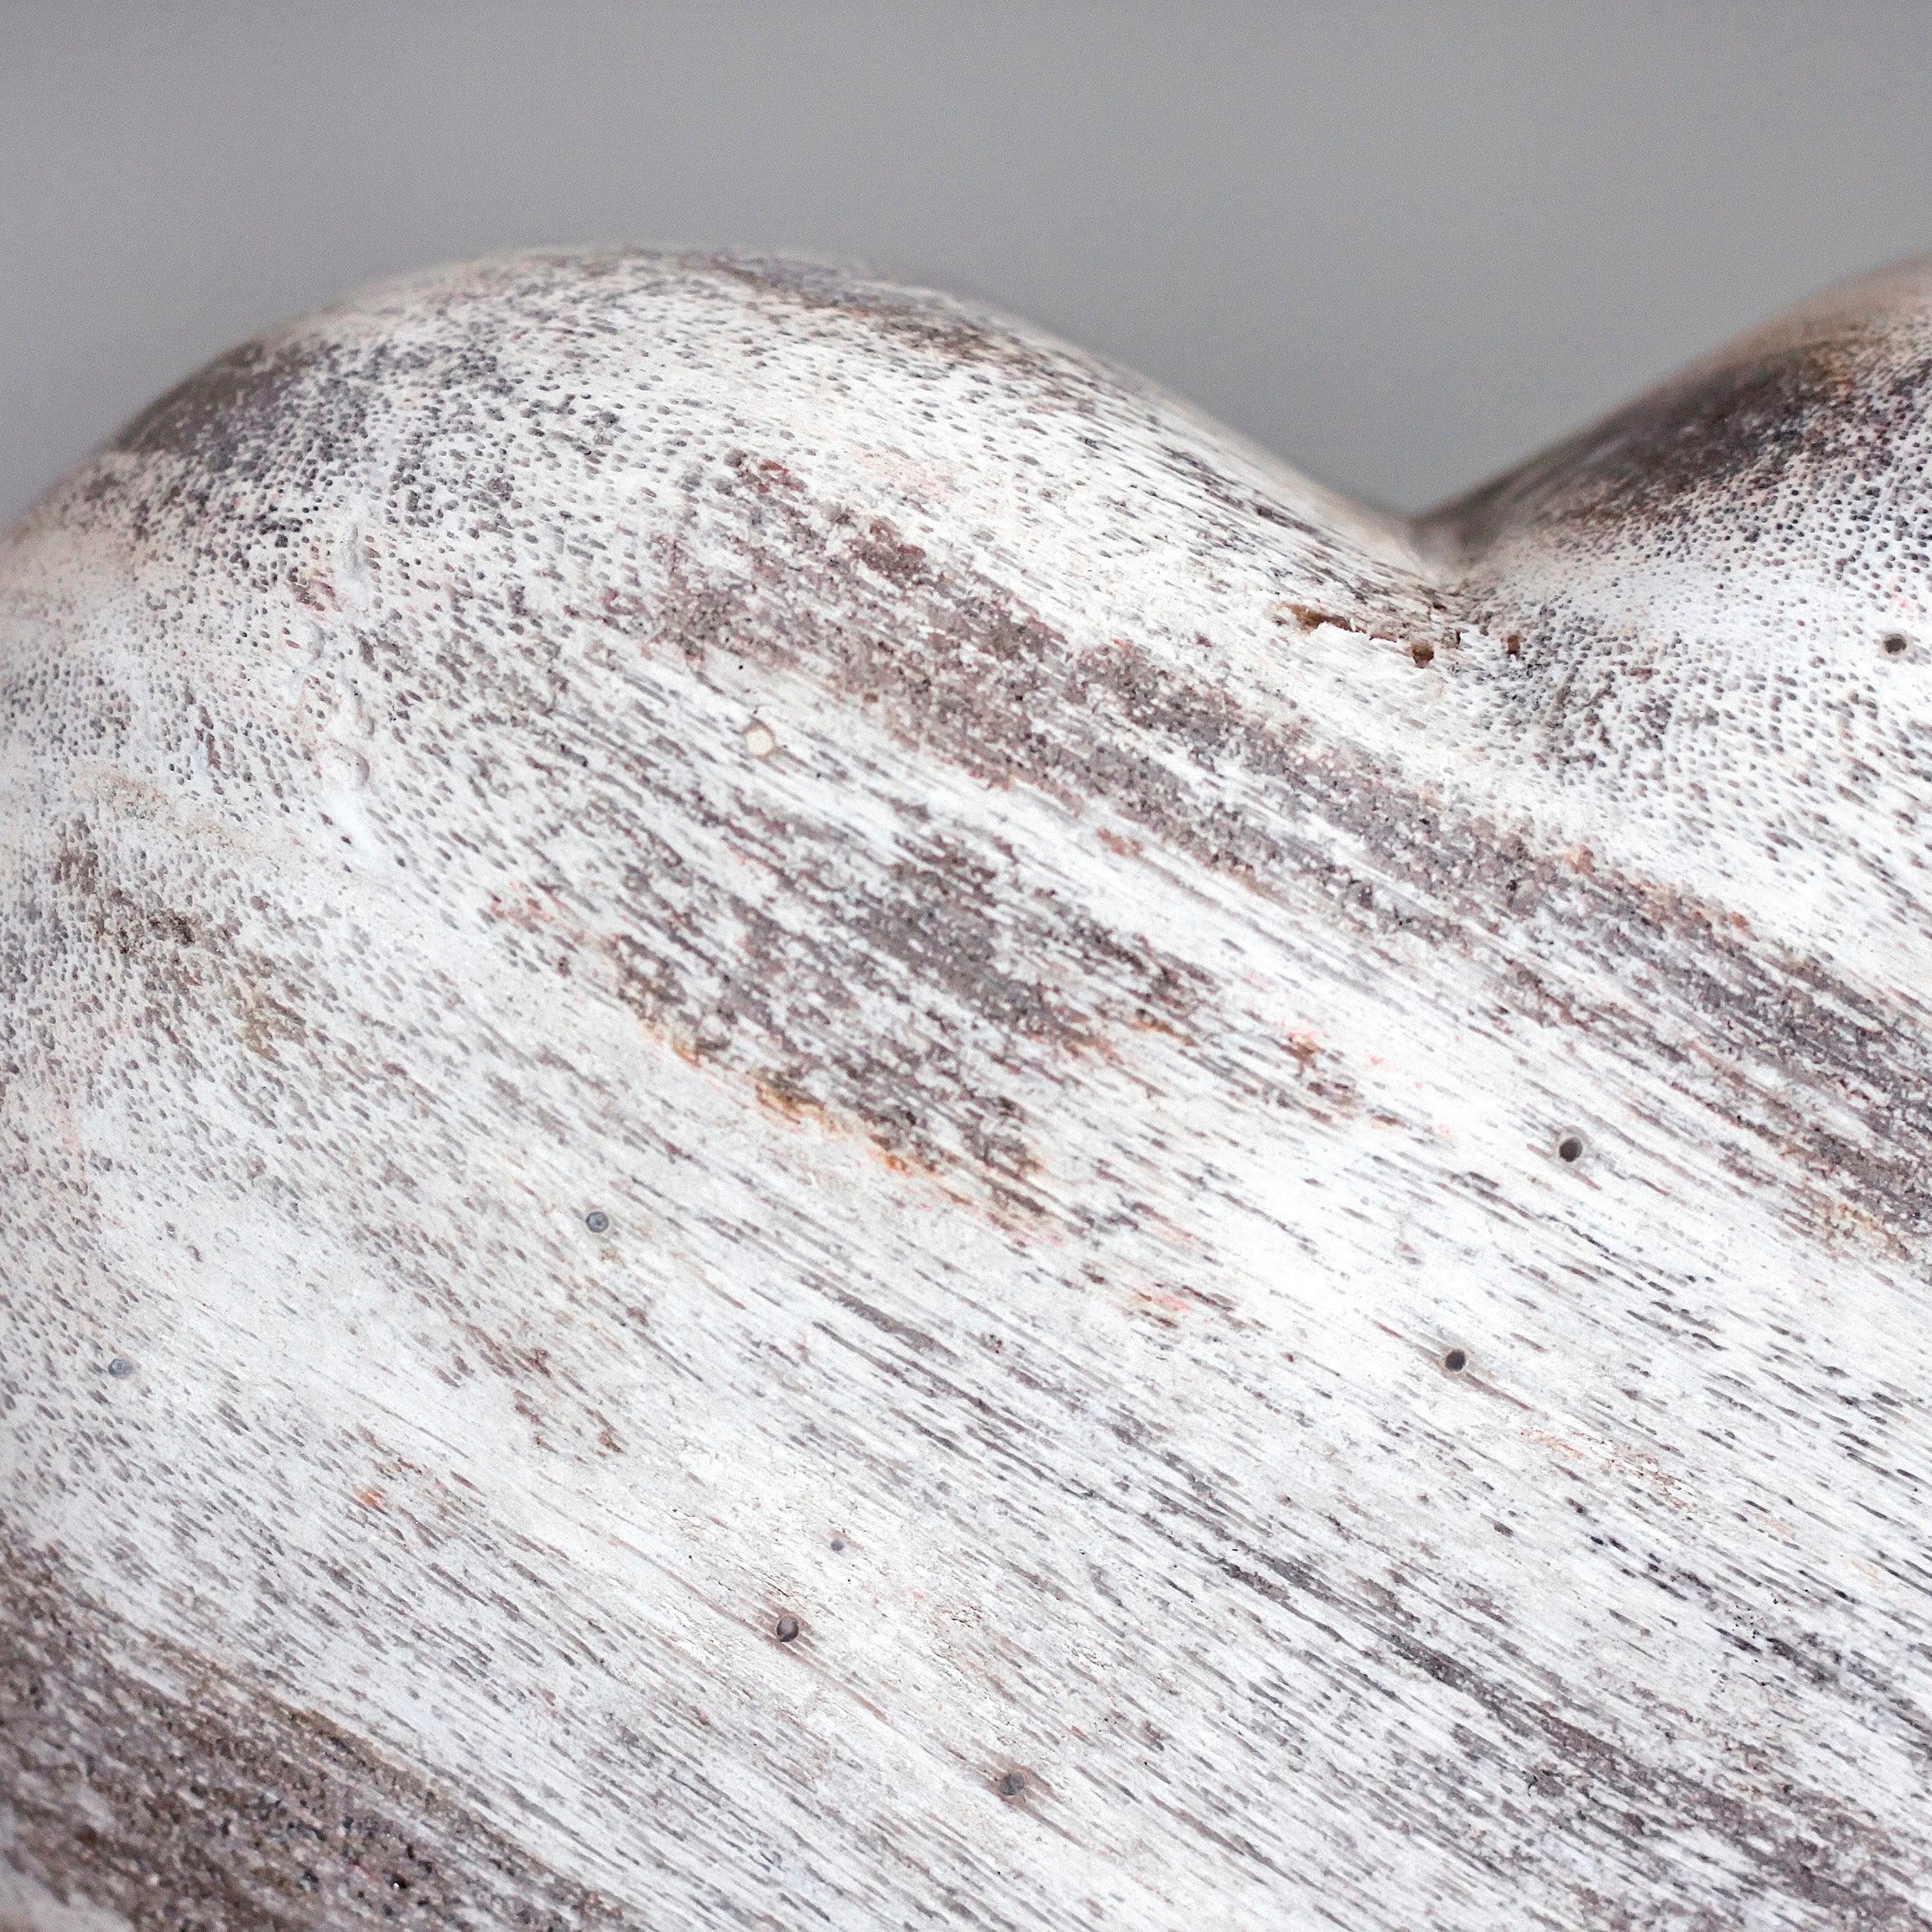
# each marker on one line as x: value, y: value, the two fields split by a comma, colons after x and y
x: 783, y: 1089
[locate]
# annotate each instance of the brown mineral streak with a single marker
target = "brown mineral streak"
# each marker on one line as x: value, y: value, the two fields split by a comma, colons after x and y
x: 1073, y: 1101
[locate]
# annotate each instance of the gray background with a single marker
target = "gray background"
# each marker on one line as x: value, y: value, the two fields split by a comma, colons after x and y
x: 1402, y: 244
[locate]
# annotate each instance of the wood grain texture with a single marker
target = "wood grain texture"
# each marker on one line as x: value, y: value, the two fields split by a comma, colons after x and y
x: 783, y: 1142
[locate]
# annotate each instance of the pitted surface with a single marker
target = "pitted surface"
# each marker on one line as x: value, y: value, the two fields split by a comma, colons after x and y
x: 697, y: 949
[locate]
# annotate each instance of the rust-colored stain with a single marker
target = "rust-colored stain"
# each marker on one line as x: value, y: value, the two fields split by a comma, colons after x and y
x: 808, y: 990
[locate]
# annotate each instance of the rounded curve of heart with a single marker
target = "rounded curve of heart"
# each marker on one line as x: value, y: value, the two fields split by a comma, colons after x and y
x: 809, y: 1119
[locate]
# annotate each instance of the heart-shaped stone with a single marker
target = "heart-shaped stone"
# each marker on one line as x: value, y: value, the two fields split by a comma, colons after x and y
x: 808, y: 1121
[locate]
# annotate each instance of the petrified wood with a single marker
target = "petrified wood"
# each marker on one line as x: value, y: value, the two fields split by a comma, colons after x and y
x: 807, y: 1122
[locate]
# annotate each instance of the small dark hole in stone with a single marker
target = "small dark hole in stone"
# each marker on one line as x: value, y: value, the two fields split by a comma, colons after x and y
x: 1012, y: 1784
x: 1514, y: 645
x: 1423, y: 653
x: 1897, y: 645
x: 120, y: 1366
x: 838, y: 1542
x: 1454, y: 1361
x: 1570, y: 1146
x: 785, y: 1629
x: 596, y: 1220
